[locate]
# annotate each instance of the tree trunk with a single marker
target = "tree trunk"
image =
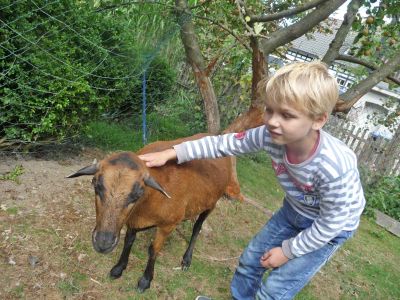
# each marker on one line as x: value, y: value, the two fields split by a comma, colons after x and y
x: 195, y: 59
x: 341, y: 34
x: 259, y: 67
x: 254, y: 116
x: 349, y: 98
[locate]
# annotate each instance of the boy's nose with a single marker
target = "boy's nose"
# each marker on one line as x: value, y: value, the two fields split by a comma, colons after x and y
x: 271, y: 121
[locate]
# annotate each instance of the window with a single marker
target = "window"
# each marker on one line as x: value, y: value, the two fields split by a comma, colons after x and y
x: 341, y: 82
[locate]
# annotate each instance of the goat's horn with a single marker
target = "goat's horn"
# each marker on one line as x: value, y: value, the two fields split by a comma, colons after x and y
x: 89, y: 170
x: 151, y: 182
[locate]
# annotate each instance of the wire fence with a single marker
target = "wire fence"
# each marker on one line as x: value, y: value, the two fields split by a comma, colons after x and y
x: 62, y: 62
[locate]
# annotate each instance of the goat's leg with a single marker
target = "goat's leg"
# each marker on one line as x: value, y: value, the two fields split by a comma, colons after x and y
x: 117, y: 270
x: 154, y: 249
x: 187, y: 257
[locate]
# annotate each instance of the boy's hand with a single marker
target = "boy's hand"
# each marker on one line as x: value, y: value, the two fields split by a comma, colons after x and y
x: 158, y: 159
x: 273, y: 258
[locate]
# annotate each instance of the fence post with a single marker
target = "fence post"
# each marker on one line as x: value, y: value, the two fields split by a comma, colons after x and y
x: 389, y: 164
x: 144, y: 105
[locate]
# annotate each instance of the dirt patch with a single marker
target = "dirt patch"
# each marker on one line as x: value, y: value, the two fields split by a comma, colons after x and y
x: 40, y: 221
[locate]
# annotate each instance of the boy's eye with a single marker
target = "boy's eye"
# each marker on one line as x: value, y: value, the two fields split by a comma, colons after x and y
x: 268, y: 110
x: 288, y: 116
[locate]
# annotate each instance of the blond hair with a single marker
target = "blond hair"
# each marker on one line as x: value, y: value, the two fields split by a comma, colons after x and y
x: 307, y: 86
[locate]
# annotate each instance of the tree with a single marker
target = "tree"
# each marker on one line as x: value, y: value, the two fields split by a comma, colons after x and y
x: 265, y: 34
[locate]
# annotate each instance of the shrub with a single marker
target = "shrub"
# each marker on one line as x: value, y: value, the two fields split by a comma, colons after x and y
x: 384, y: 195
x: 63, y: 64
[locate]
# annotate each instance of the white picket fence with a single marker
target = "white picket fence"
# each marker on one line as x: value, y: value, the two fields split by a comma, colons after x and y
x: 379, y: 156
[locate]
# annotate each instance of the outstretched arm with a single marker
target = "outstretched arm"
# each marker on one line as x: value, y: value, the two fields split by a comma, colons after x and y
x: 158, y: 159
x: 211, y: 147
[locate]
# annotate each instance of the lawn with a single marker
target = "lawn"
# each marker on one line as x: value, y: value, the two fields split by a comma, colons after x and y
x: 46, y: 252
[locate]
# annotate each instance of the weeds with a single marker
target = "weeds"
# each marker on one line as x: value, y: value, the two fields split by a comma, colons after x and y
x: 384, y: 195
x: 14, y: 174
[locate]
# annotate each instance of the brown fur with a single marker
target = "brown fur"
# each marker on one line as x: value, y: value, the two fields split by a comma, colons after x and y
x: 194, y: 187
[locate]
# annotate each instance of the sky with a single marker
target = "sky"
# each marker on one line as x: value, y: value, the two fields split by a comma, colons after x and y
x: 339, y: 14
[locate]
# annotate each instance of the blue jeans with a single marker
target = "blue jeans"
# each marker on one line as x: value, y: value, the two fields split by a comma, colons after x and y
x: 287, y: 280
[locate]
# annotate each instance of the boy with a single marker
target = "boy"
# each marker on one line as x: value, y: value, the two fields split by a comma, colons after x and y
x: 323, y: 194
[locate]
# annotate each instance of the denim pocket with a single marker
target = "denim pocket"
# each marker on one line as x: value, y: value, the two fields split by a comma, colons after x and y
x: 302, y: 222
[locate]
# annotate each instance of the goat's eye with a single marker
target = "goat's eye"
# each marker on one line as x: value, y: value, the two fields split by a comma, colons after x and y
x: 136, y: 192
x: 99, y: 188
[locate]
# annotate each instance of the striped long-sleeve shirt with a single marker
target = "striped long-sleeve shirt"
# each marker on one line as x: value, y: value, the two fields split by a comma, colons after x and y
x: 325, y: 188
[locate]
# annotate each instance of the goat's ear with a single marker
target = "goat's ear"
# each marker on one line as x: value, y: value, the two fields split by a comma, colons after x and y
x: 89, y: 170
x: 151, y: 182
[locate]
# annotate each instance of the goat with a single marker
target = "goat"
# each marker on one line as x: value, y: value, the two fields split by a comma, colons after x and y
x: 127, y: 192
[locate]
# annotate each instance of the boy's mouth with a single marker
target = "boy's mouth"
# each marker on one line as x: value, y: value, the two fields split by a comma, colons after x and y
x: 275, y: 134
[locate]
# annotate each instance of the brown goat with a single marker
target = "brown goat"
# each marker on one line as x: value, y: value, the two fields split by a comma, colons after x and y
x: 127, y: 192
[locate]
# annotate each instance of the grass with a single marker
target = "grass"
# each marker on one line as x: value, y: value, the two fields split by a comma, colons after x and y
x: 258, y: 180
x: 366, y: 267
x: 110, y: 136
x: 128, y: 136
x: 12, y: 210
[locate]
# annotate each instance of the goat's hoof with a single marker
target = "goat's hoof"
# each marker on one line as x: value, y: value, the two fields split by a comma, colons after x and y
x: 185, y: 263
x: 116, y: 272
x: 185, y: 267
x: 143, y: 284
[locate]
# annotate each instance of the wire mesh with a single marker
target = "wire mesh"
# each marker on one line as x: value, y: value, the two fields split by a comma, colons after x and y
x: 65, y: 62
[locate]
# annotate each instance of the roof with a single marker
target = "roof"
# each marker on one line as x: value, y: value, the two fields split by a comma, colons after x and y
x: 317, y: 43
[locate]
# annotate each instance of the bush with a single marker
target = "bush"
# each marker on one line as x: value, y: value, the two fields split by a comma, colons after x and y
x: 384, y: 195
x: 63, y: 64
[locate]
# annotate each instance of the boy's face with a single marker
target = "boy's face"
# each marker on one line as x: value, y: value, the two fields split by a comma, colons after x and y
x: 288, y: 125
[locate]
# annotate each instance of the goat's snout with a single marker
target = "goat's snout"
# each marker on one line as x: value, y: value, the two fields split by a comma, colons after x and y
x: 104, y: 241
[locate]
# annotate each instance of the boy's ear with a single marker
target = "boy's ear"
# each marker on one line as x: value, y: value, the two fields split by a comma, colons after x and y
x: 320, y: 121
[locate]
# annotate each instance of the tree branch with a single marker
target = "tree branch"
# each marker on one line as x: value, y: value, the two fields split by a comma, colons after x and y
x: 349, y: 98
x: 340, y: 37
x: 286, y: 13
x: 243, y: 12
x: 226, y: 29
x: 287, y: 34
x: 364, y: 63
